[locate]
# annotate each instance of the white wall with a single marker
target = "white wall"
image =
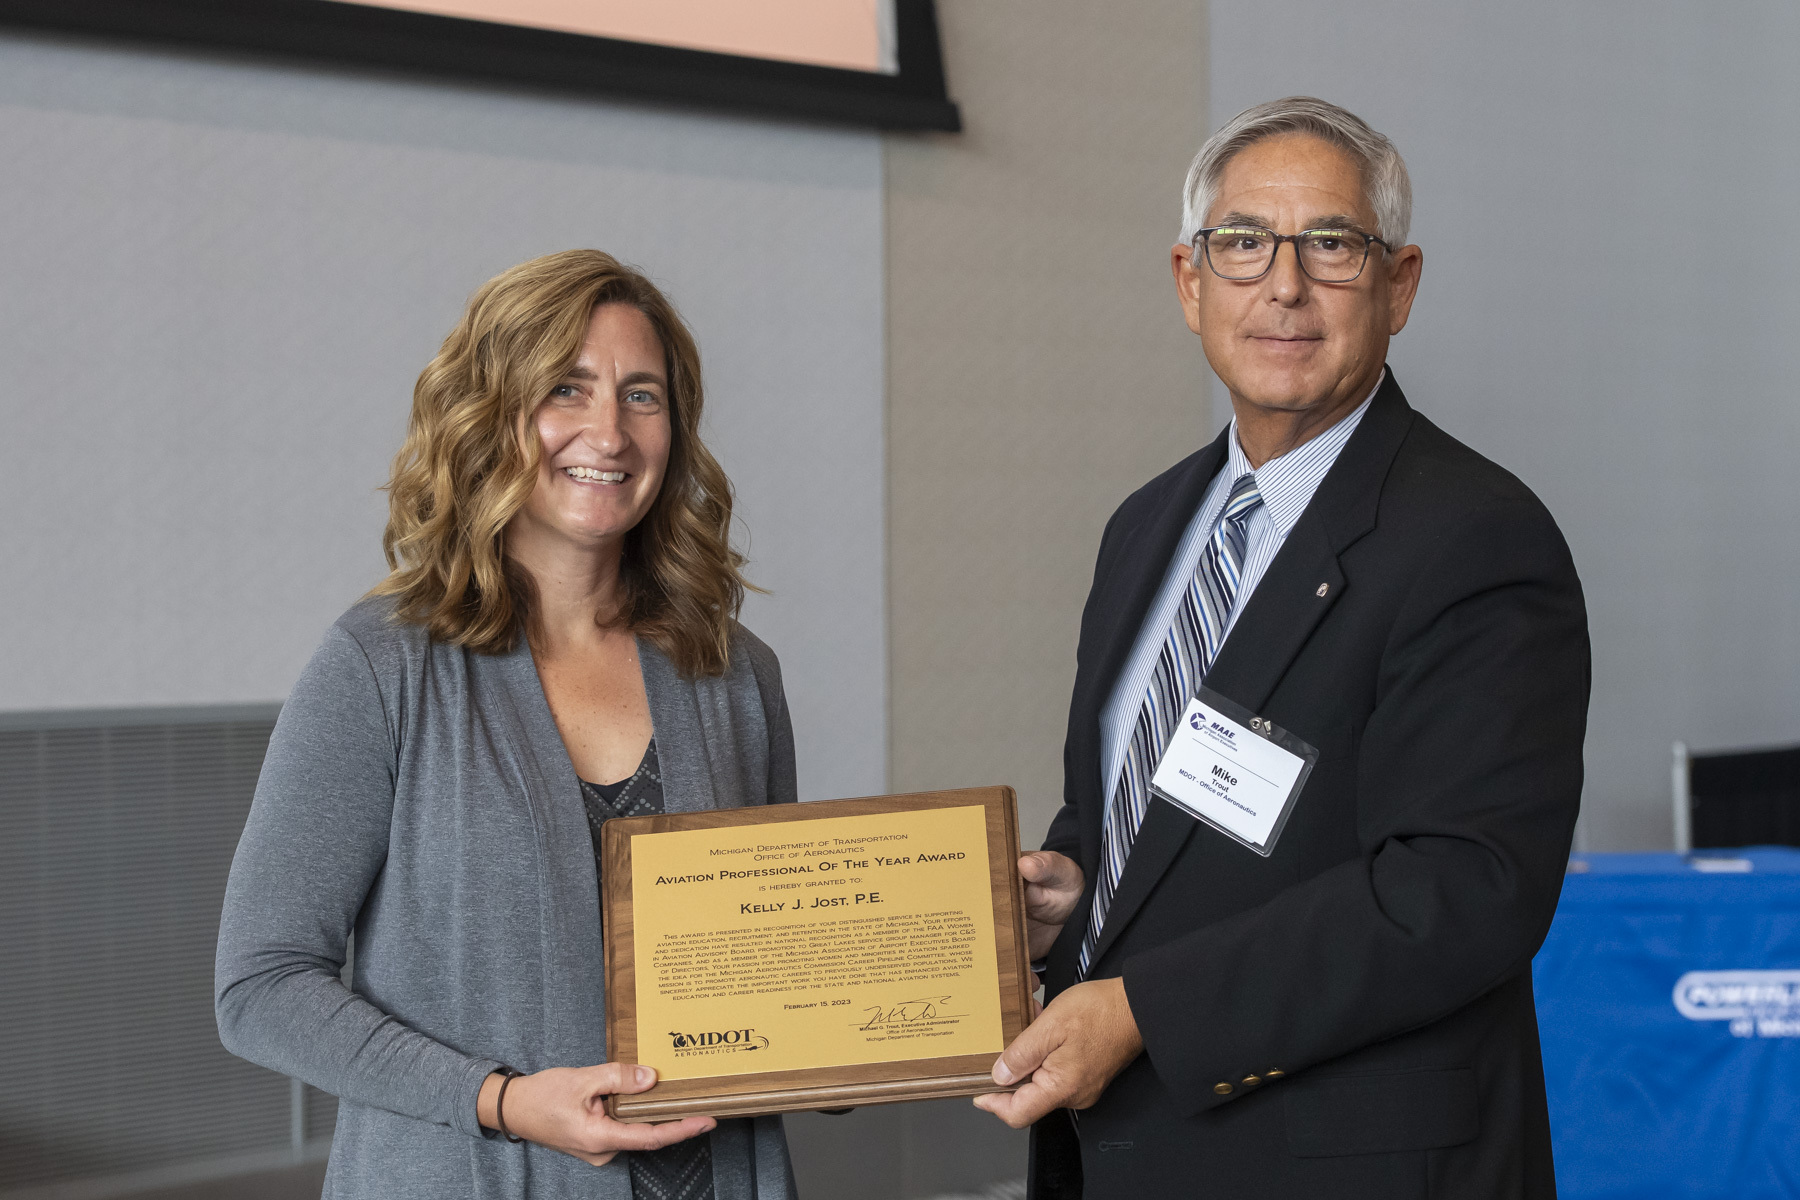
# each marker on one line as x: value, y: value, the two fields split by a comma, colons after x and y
x: 1610, y: 308
x: 219, y: 278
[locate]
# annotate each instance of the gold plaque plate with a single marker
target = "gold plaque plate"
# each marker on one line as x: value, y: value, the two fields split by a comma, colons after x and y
x: 822, y: 955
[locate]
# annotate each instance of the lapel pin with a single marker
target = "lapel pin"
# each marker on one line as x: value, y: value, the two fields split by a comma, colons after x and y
x: 1323, y: 588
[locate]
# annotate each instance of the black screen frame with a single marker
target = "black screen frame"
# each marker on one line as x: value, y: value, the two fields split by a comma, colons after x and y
x: 456, y: 48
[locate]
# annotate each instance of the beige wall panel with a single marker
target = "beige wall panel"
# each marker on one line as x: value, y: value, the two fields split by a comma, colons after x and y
x: 1038, y: 367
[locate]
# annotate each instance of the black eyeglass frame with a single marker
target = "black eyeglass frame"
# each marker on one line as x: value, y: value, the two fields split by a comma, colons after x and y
x: 1201, y: 235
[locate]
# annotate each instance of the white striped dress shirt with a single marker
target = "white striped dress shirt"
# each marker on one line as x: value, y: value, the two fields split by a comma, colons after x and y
x: 1287, y: 485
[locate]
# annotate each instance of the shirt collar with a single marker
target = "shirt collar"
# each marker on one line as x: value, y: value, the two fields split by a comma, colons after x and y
x: 1287, y: 483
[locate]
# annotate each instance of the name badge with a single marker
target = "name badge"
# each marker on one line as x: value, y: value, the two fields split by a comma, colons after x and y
x: 1234, y: 770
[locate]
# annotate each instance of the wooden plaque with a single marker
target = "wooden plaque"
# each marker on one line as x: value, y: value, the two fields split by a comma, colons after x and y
x: 823, y: 955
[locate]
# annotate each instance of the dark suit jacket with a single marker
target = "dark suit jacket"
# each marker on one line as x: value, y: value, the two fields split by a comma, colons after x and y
x: 1351, y: 1016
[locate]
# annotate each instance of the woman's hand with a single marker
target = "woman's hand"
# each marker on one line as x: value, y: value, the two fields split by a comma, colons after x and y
x: 564, y: 1108
x: 1053, y: 885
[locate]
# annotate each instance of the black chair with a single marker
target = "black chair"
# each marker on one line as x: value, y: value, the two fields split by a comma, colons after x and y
x: 1736, y: 798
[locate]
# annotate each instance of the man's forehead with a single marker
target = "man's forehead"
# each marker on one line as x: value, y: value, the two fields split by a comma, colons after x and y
x: 1330, y: 220
x: 1294, y: 176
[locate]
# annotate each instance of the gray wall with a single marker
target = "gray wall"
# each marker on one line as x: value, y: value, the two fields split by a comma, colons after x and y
x: 219, y: 278
x: 1038, y: 367
x: 1609, y: 308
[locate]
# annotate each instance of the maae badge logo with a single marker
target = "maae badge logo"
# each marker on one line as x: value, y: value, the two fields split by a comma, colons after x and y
x: 716, y: 1041
x: 1757, y: 1003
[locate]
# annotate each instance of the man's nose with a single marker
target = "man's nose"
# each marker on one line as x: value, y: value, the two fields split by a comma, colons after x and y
x: 1286, y: 282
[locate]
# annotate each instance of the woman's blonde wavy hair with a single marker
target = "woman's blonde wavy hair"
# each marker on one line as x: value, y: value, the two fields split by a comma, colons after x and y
x: 471, y: 459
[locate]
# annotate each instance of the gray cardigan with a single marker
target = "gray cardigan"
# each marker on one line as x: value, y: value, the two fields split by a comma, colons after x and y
x: 421, y: 795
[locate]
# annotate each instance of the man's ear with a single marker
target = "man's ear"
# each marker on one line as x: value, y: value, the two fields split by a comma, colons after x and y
x: 1403, y: 285
x: 1188, y: 282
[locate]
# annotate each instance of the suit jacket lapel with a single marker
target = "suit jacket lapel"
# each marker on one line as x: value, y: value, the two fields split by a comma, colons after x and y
x: 1304, y: 581
x: 1145, y: 555
x: 1133, y: 571
x: 1160, y: 839
x: 1296, y: 592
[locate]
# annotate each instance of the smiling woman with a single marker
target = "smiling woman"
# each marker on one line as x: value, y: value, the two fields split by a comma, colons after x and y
x: 524, y: 360
x: 556, y: 644
x: 603, y: 441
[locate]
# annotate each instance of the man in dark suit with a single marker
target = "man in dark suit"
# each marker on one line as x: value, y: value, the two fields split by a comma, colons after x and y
x: 1350, y: 1015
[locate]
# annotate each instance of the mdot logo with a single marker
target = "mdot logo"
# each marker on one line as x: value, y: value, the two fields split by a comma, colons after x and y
x: 1757, y: 1003
x: 717, y: 1041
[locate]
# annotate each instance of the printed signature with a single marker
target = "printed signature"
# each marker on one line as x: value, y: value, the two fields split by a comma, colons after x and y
x: 906, y: 1011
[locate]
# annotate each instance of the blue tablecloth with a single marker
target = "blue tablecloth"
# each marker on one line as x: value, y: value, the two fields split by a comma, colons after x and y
x: 1668, y: 997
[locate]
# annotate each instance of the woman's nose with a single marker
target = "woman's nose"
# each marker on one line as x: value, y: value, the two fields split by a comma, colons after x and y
x: 605, y: 431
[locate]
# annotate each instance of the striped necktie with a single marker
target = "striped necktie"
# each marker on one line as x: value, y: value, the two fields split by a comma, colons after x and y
x: 1187, y: 654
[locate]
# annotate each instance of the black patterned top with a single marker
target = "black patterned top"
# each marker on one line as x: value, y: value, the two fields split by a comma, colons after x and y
x: 682, y: 1171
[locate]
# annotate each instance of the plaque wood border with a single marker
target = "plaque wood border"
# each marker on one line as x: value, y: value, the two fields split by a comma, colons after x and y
x: 850, y: 1085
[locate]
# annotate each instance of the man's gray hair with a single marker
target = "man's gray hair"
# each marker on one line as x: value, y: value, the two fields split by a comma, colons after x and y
x: 1385, y: 181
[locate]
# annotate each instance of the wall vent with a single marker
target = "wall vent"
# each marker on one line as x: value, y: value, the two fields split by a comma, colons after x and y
x: 116, y: 833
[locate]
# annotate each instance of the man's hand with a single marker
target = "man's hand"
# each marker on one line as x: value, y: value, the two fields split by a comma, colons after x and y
x: 564, y: 1108
x: 1053, y: 885
x: 1071, y: 1053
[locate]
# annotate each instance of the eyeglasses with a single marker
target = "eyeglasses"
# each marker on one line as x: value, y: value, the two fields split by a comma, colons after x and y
x: 1241, y: 252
